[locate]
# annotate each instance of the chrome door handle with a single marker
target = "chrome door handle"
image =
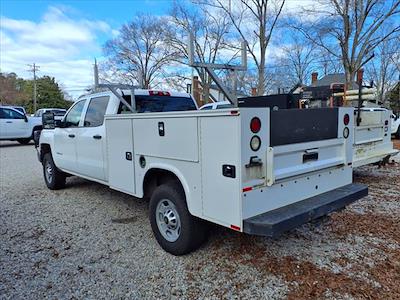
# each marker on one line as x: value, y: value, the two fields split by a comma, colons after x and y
x: 97, y: 137
x: 71, y: 135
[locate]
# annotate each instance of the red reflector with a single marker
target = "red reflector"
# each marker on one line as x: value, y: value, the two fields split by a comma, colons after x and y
x: 255, y: 125
x: 246, y: 189
x: 346, y: 119
x: 234, y: 227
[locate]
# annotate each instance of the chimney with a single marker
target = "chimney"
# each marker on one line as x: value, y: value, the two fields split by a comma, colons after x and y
x: 196, y: 90
x: 360, y: 74
x: 314, y: 77
x: 254, y: 91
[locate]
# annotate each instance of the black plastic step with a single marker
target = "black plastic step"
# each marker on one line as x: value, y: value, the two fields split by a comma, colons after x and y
x: 277, y: 221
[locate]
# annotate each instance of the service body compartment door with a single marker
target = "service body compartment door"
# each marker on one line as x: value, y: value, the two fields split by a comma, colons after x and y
x: 121, y: 167
x: 221, y: 170
x: 172, y: 138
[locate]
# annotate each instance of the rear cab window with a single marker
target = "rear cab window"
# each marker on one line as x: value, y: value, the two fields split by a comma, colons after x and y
x: 155, y: 103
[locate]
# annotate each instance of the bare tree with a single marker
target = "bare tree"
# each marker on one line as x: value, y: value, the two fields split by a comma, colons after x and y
x: 353, y: 26
x: 296, y: 59
x: 210, y: 30
x: 140, y: 50
x: 254, y: 21
x: 383, y: 69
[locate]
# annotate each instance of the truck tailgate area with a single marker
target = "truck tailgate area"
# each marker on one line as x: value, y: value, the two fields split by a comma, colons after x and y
x: 275, y: 222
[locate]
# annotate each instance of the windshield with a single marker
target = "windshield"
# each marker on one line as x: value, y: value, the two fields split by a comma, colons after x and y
x: 58, y: 112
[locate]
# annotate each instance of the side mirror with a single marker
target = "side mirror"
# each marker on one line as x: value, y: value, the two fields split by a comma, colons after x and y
x: 58, y: 123
x: 48, y: 120
x: 26, y: 118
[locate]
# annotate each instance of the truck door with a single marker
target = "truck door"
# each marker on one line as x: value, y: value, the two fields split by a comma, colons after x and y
x: 13, y: 124
x: 91, y: 140
x: 64, y: 153
x: 3, y: 123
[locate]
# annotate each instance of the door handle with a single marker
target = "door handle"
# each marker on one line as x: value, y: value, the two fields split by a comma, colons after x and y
x: 8, y: 121
x: 97, y: 137
x: 71, y: 135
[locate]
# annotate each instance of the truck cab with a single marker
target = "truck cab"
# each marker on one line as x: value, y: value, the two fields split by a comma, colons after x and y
x: 81, y: 134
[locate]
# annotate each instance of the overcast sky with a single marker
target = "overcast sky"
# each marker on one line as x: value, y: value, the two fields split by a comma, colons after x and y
x: 64, y: 37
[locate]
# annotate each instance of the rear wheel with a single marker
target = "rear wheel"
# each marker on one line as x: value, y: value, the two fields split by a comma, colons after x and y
x: 176, y: 230
x: 24, y: 141
x: 54, y: 178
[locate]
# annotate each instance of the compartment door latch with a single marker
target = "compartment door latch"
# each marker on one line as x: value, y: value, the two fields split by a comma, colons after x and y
x: 229, y: 171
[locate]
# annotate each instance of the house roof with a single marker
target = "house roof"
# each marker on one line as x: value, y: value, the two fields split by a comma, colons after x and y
x: 327, y: 80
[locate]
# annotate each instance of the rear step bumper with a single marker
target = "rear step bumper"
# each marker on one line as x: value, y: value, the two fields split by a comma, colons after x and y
x: 275, y: 222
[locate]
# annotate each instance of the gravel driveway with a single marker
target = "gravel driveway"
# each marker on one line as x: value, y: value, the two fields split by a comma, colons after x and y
x: 88, y: 241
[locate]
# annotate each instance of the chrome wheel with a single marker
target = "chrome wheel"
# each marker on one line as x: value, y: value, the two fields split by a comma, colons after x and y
x: 168, y: 221
x: 49, y: 172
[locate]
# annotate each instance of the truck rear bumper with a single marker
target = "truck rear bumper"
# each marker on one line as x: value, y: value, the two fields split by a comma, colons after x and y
x: 275, y: 222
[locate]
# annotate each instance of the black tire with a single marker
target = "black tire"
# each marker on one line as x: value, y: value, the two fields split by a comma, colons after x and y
x: 192, y: 232
x: 24, y: 141
x: 55, y: 179
x: 398, y: 132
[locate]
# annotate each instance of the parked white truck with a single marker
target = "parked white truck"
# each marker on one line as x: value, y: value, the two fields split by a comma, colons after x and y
x: 372, y: 137
x: 395, y: 128
x: 247, y: 169
x: 16, y: 126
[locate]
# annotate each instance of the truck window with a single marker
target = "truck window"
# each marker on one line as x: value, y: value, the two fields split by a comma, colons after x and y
x: 159, y: 104
x: 74, y: 115
x: 96, y: 111
x: 10, y: 114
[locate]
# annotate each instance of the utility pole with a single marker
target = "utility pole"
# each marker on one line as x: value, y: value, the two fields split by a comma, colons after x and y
x: 34, y: 68
x: 96, y: 75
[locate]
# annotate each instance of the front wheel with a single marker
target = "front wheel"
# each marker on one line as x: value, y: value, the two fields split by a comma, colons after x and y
x: 54, y: 178
x: 175, y: 229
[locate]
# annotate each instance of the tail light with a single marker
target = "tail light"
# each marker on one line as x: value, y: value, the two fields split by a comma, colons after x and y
x: 386, y: 122
x: 255, y: 125
x: 346, y: 119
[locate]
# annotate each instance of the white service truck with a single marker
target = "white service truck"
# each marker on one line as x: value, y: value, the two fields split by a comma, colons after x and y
x: 247, y: 169
x: 372, y: 136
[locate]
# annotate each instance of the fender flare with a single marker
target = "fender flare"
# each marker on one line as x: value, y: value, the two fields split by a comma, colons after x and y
x: 175, y: 171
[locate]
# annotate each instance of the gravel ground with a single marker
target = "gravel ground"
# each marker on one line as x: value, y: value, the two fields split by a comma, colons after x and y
x: 88, y: 241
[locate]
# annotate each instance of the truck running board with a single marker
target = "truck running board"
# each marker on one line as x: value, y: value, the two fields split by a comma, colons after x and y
x: 275, y: 222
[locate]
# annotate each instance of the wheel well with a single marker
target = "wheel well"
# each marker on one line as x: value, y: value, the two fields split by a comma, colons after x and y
x: 156, y: 177
x: 44, y: 148
x: 38, y: 127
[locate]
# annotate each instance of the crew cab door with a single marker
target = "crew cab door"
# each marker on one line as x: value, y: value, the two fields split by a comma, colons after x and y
x: 90, y: 141
x: 64, y: 153
x: 13, y: 124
